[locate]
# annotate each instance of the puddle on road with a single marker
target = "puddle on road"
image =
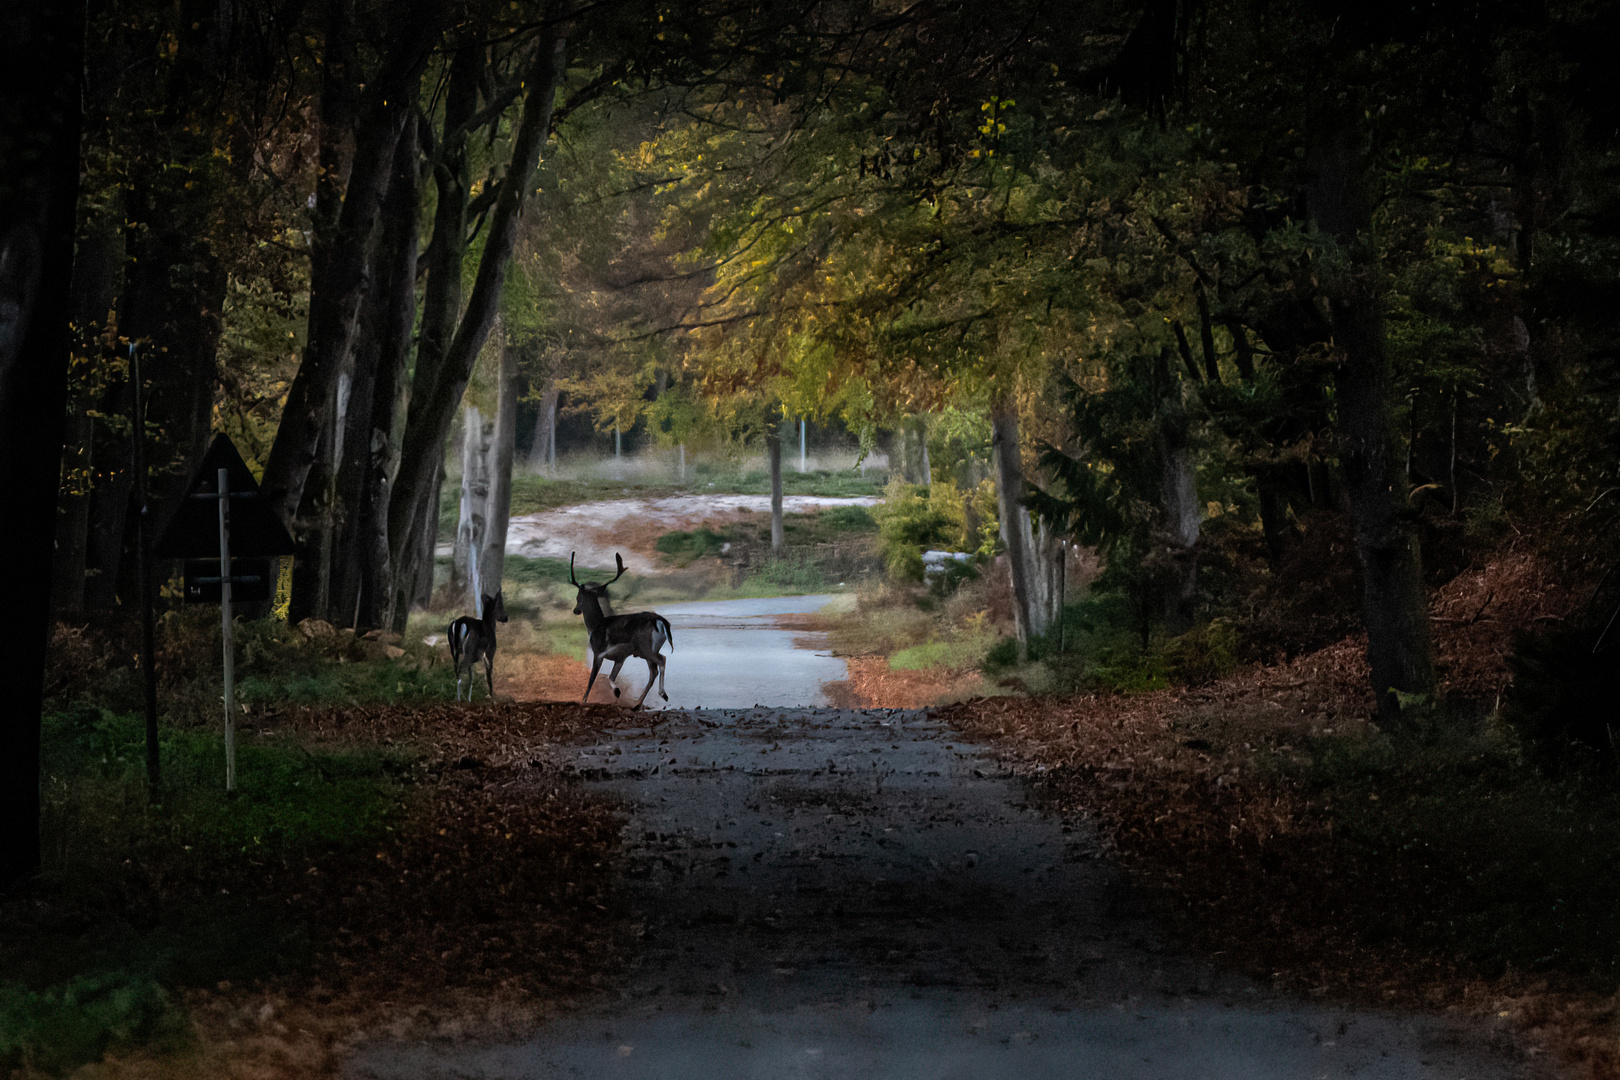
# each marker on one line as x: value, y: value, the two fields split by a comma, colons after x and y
x: 831, y: 893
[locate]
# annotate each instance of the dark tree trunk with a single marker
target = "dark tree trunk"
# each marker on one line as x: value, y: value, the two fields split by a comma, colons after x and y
x: 174, y: 295
x: 343, y: 223
x: 1394, y: 602
x: 433, y: 405
x: 97, y: 266
x: 40, y: 66
x: 363, y: 571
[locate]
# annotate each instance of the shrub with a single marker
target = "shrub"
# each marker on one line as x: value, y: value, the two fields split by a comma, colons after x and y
x: 58, y: 1029
x: 913, y: 519
x: 1201, y: 655
x: 1561, y: 702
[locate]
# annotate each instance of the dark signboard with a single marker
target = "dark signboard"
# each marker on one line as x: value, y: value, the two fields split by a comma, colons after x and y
x: 250, y: 580
x: 193, y: 532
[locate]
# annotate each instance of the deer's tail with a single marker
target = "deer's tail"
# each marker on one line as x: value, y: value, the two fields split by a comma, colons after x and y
x: 669, y: 634
x: 455, y: 641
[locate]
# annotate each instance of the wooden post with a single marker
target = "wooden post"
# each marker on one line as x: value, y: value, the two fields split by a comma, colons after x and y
x: 225, y: 625
x: 801, y: 446
x: 681, y: 474
x: 143, y: 565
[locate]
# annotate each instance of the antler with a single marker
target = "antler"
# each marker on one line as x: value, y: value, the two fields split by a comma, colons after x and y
x: 620, y: 560
x: 571, y: 580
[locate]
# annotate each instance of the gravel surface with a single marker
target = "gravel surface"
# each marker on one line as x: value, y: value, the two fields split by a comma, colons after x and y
x: 826, y: 893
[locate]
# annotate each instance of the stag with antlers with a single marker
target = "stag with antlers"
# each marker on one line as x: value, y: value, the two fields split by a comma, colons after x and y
x: 620, y: 637
x: 472, y: 638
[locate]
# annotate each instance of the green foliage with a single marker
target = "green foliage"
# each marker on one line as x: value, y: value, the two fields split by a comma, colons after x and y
x: 57, y: 1029
x: 788, y: 575
x: 1203, y: 654
x: 684, y: 547
x: 913, y: 519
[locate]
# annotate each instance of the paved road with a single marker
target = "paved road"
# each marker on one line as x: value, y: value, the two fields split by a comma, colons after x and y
x: 729, y: 654
x: 841, y: 894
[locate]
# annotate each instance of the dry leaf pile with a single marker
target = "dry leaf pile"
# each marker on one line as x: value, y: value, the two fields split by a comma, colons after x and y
x: 1201, y: 793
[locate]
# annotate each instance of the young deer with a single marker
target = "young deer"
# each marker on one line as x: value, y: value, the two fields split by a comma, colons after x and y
x: 473, y: 639
x: 619, y: 637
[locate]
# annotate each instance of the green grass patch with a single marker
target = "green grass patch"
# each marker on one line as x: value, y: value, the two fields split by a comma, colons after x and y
x: 684, y: 547
x: 966, y: 650
x: 289, y: 799
x: 152, y: 890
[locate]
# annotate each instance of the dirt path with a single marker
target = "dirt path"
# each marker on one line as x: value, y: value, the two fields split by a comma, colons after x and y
x: 827, y: 893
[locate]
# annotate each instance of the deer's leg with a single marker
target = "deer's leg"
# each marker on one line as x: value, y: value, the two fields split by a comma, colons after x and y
x: 663, y: 666
x: 596, y: 665
x: 652, y: 677
x: 489, y: 674
x: 613, y: 676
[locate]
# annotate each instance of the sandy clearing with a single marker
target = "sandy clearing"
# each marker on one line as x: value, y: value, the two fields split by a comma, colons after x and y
x: 595, y: 531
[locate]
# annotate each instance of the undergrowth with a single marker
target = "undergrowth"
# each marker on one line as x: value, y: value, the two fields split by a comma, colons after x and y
x: 134, y: 899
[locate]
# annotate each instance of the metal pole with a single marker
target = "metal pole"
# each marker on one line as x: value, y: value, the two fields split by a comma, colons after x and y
x: 225, y: 626
x: 143, y: 566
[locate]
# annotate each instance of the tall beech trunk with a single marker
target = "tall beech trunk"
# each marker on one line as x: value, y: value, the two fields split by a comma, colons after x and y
x: 773, y: 450
x: 1178, y: 498
x: 344, y: 219
x: 1031, y: 578
x: 503, y: 452
x: 1394, y: 603
x: 436, y: 393
x: 40, y: 66
x: 366, y: 576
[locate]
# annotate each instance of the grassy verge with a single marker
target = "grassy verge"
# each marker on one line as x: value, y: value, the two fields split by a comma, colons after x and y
x: 370, y: 853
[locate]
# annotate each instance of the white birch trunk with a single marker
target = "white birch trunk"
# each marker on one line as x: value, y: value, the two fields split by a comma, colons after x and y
x: 471, y: 524
x: 499, y: 507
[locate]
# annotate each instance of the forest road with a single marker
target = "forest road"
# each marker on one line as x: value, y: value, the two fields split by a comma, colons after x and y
x: 860, y: 894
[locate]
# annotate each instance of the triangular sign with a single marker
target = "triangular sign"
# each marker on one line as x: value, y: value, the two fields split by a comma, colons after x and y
x: 193, y: 532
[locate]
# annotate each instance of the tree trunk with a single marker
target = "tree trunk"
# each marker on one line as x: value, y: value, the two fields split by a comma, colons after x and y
x: 492, y: 566
x: 1031, y: 602
x: 433, y: 404
x: 543, y: 451
x: 773, y: 448
x: 97, y: 267
x: 343, y: 223
x: 1179, y: 499
x: 471, y: 526
x: 40, y: 67
x: 1394, y: 601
